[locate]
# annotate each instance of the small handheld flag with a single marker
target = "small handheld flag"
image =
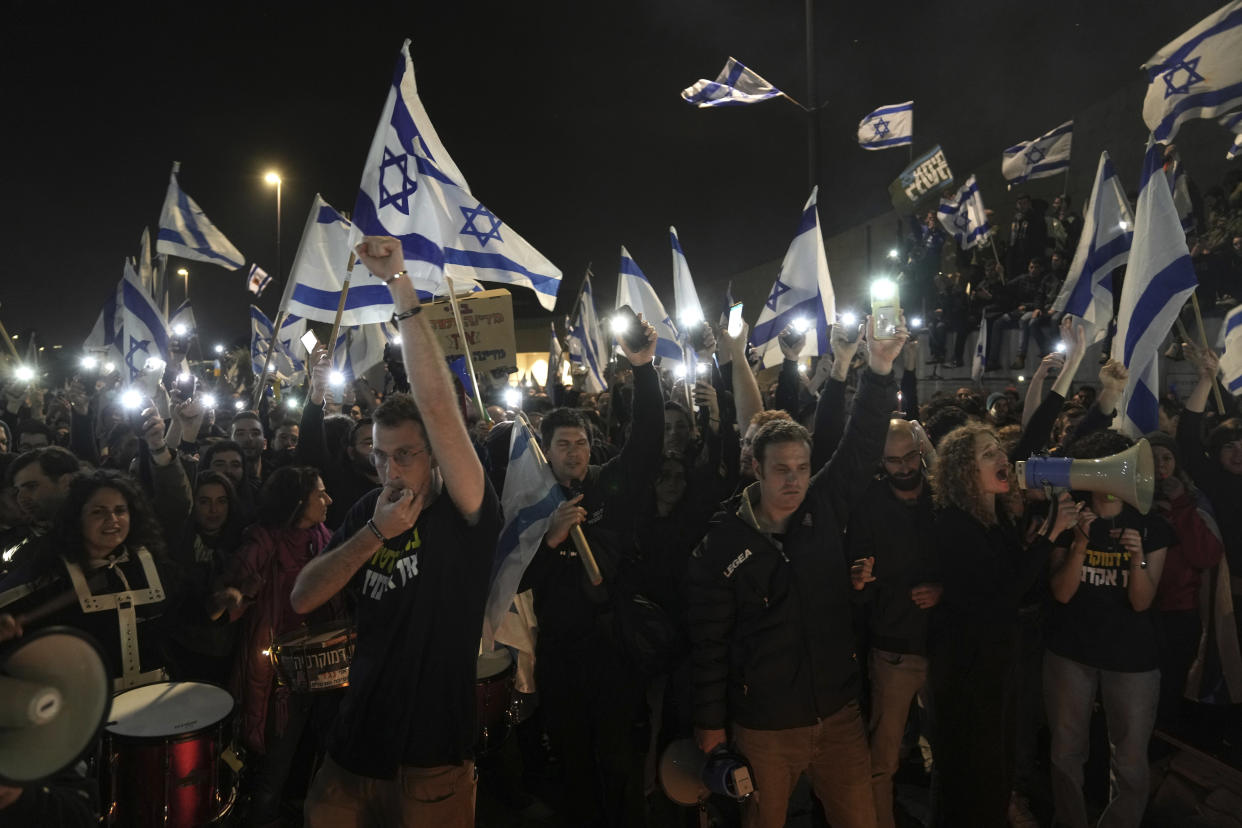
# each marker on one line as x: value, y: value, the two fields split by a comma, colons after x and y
x: 257, y: 280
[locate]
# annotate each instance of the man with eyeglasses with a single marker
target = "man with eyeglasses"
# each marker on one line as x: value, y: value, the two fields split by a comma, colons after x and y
x: 416, y: 557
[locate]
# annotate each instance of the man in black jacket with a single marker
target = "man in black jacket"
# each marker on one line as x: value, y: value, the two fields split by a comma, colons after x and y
x: 769, y: 610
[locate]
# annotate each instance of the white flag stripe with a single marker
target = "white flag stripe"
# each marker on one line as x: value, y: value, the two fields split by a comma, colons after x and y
x: 186, y: 231
x: 1049, y: 154
x: 685, y: 297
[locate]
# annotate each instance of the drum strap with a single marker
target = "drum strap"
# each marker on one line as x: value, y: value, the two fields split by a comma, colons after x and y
x: 127, y: 621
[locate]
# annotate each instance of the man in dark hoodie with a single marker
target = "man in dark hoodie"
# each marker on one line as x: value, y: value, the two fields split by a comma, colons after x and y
x: 769, y: 611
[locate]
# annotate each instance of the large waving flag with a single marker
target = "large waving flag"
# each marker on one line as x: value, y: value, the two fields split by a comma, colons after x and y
x: 143, y: 330
x: 1233, y: 123
x: 1231, y: 357
x: 1104, y: 246
x: 407, y: 193
x: 962, y: 215
x: 360, y: 348
x: 530, y: 496
x: 1198, y: 75
x: 685, y: 297
x: 736, y: 85
x: 634, y: 290
x: 1159, y: 279
x: 285, y: 363
x: 587, y: 345
x: 1049, y: 154
x: 186, y: 231
x: 802, y: 291
x: 888, y: 126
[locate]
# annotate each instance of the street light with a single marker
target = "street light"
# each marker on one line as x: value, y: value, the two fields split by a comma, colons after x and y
x: 273, y: 177
x: 185, y: 274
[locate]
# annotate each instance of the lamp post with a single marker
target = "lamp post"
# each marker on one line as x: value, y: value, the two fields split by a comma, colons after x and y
x: 273, y: 177
x: 185, y: 274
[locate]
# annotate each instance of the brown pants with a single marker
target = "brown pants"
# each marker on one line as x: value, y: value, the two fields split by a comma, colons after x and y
x: 835, y: 757
x: 442, y: 797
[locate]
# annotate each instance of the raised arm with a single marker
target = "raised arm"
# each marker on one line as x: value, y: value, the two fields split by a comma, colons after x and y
x: 746, y: 394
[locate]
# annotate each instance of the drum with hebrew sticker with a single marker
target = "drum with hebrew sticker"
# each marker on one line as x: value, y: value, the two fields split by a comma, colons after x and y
x: 314, y: 658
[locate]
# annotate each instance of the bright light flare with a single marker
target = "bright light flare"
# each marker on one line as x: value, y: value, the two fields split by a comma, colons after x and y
x: 800, y: 324
x: 336, y: 378
x: 291, y: 403
x: 1060, y: 347
x: 916, y: 322
x: 239, y: 405
x: 219, y: 348
x: 131, y: 399
x: 272, y: 177
x: 513, y: 399
x: 180, y: 329
x: 24, y: 373
x: 619, y: 324
x: 849, y: 318
x: 893, y: 254
x: 208, y: 400
x: 883, y: 289
x: 89, y: 363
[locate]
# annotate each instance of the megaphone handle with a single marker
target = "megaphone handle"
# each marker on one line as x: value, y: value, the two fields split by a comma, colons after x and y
x: 1053, y: 508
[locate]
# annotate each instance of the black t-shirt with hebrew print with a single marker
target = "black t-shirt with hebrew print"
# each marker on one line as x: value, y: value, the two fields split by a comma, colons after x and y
x: 419, y: 606
x: 1099, y: 627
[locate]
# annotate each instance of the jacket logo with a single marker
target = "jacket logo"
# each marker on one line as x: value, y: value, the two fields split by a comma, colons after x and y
x: 735, y: 563
x: 806, y: 519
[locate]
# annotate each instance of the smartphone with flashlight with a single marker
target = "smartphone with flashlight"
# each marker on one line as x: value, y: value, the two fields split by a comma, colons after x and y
x: 627, y: 327
x: 885, y: 308
x: 735, y: 319
x: 186, y: 384
x: 309, y: 342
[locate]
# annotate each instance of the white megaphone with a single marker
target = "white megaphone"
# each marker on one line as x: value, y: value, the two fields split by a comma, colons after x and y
x: 1129, y: 475
x: 54, y: 697
x: 689, y: 776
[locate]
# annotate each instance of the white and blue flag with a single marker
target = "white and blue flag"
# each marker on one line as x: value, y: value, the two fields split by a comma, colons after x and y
x: 186, y: 231
x: 1179, y: 183
x: 555, y: 352
x: 634, y: 290
x: 1231, y: 356
x: 1198, y: 75
x: 258, y: 279
x: 801, y: 294
x: 685, y: 297
x: 587, y: 345
x: 962, y: 215
x: 1233, y: 123
x: 530, y: 496
x: 104, y: 340
x: 888, y: 126
x: 1049, y: 154
x: 979, y: 363
x: 147, y: 273
x: 285, y: 364
x: 736, y: 85
x: 143, y: 328
x: 1104, y: 246
x: 406, y: 192
x: 182, y: 322
x: 1159, y: 279
x: 360, y: 348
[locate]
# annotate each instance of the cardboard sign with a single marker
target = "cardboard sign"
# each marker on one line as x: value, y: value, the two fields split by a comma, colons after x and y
x: 488, y: 321
x: 928, y: 175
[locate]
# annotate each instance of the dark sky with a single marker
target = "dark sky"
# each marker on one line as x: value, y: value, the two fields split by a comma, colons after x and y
x: 564, y: 116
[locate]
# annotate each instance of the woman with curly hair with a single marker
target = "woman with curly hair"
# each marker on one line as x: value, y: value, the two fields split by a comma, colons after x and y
x: 111, y: 560
x: 986, y: 566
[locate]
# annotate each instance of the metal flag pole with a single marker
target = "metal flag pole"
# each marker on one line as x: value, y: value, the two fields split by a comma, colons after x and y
x: 575, y: 532
x: 461, y: 330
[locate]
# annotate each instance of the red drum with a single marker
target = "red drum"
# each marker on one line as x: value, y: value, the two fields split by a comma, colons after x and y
x: 316, y: 658
x: 162, y: 747
x: 493, y: 696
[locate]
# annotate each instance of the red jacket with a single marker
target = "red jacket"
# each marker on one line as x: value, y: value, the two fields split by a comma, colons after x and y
x: 1199, y: 547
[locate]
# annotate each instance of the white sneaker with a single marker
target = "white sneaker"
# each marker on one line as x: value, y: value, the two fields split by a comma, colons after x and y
x: 1020, y: 815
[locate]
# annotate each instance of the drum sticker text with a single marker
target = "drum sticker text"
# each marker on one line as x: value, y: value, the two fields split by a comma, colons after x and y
x: 391, y: 568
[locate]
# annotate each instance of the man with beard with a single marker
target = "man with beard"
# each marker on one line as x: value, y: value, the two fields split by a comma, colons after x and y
x: 890, y: 538
x: 247, y: 432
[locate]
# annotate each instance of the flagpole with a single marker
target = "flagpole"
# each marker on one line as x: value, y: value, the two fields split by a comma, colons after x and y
x: 575, y: 532
x: 260, y: 384
x: 812, y: 113
x: 8, y: 340
x: 999, y: 268
x: 461, y: 329
x: 1194, y: 301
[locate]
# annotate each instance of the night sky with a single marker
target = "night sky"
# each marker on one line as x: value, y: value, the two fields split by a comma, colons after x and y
x: 565, y: 118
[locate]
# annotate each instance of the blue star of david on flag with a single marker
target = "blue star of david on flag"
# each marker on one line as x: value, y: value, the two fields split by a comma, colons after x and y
x: 1035, y: 154
x: 136, y: 345
x: 881, y: 128
x: 1191, y: 68
x: 471, y: 214
x: 401, y: 198
x: 961, y: 221
x: 777, y: 290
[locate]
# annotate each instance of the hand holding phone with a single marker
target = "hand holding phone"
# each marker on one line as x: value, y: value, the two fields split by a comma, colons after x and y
x: 629, y: 328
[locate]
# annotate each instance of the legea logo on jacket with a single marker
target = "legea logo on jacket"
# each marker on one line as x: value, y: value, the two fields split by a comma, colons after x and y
x: 736, y: 562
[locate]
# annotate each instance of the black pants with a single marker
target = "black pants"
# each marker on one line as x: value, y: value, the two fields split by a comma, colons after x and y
x: 1178, y: 634
x: 268, y: 773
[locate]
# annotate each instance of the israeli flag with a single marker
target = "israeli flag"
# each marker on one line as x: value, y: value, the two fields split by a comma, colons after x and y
x: 555, y: 352
x: 105, y: 337
x: 1180, y: 185
x: 1104, y: 246
x: 182, y: 323
x: 530, y: 496
x: 962, y: 215
x: 1049, y: 154
x: 186, y: 231
x: 147, y: 273
x: 257, y: 279
x: 888, y: 126
x: 144, y: 331
x: 801, y: 295
x: 634, y: 290
x: 360, y: 348
x: 736, y: 85
x: 1198, y: 75
x: 685, y: 297
x: 406, y: 192
x: 285, y: 364
x: 1233, y: 123
x: 1159, y: 279
x: 1231, y: 357
x: 979, y: 363
x: 586, y: 342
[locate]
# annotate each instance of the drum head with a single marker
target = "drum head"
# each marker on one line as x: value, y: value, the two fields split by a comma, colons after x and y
x: 493, y: 663
x: 168, y: 709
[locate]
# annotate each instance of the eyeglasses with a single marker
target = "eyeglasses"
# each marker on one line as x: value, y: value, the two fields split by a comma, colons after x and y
x: 401, y: 457
x: 905, y: 459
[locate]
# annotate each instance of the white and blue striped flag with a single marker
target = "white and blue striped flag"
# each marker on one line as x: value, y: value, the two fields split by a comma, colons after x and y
x: 685, y: 297
x: 1049, y: 154
x: 1198, y: 75
x: 186, y: 231
x: 286, y: 365
x: 360, y: 348
x: 530, y: 496
x: 1233, y: 123
x: 407, y: 193
x: 1179, y: 183
x: 257, y: 280
x: 1231, y: 355
x: 979, y: 363
x: 104, y: 340
x: 888, y: 126
x: 147, y: 273
x: 801, y: 293
x: 1159, y: 279
x: 736, y: 85
x: 143, y: 332
x: 962, y: 215
x: 182, y: 322
x: 1107, y: 233
x: 634, y: 290
x: 555, y: 352
x: 586, y: 342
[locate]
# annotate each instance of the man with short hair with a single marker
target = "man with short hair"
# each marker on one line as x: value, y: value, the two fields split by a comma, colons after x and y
x: 32, y: 434
x: 770, y: 613
x: 417, y: 555
x: 41, y: 477
x: 247, y: 432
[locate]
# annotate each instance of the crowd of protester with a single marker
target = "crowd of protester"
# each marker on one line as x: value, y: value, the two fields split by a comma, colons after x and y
x: 825, y: 576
